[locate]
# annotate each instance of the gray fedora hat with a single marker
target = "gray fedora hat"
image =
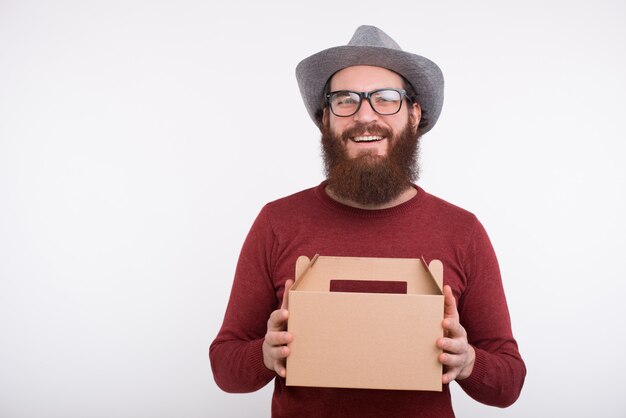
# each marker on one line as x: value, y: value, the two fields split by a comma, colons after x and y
x: 371, y: 46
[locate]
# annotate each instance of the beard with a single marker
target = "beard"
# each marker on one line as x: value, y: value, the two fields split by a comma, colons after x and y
x: 370, y: 179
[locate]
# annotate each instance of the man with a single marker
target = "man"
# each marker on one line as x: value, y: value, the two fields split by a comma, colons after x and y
x: 372, y: 102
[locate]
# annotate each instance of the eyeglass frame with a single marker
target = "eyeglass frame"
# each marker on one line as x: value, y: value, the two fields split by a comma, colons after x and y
x: 367, y: 95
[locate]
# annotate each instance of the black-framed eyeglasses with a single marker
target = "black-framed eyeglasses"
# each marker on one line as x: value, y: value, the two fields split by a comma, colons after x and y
x: 385, y: 102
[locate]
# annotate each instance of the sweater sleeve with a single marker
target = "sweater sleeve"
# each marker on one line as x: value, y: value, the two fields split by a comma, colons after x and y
x: 236, y: 353
x: 499, y: 371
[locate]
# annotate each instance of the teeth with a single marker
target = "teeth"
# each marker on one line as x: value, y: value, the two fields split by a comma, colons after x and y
x: 367, y: 138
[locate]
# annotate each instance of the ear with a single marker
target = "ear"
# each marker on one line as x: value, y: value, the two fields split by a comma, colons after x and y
x: 324, y: 116
x: 416, y: 111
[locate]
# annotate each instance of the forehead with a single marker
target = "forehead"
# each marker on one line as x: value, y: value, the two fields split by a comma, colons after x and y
x: 365, y: 78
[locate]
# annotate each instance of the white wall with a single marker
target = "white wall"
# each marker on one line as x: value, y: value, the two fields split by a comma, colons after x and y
x: 139, y: 139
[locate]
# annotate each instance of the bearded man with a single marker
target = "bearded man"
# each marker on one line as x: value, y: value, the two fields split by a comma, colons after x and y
x: 372, y: 102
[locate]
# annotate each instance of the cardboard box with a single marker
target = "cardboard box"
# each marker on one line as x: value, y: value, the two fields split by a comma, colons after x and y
x: 352, y: 339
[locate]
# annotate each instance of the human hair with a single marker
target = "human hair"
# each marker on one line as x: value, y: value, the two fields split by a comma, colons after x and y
x: 412, y: 95
x: 320, y: 113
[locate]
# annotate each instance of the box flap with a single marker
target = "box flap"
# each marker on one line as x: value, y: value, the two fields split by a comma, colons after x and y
x: 303, y: 264
x: 315, y: 275
x: 435, y: 270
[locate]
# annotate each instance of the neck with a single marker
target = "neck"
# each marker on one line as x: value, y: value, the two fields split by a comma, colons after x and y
x: 405, y: 196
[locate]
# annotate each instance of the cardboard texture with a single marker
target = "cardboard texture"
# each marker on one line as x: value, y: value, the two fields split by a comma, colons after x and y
x: 382, y: 340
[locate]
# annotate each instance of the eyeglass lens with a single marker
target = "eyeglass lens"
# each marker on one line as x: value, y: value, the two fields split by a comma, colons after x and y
x: 384, y: 102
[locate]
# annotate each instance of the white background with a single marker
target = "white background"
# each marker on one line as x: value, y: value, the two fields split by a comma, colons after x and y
x: 139, y: 139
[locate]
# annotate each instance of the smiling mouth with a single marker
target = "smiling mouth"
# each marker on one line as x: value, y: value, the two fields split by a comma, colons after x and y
x: 368, y: 138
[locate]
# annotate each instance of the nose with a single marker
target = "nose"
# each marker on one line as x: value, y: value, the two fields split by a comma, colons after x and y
x: 365, y: 113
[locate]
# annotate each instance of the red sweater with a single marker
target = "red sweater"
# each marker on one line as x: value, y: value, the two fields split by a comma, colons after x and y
x: 310, y: 222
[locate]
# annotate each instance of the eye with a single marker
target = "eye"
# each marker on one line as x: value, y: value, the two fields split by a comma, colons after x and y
x: 386, y: 96
x: 345, y: 99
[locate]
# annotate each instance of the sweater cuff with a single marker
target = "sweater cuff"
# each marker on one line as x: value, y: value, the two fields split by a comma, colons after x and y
x: 475, y: 380
x: 257, y: 363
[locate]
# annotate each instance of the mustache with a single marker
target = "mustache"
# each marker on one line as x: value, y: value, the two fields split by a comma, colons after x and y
x: 371, y: 128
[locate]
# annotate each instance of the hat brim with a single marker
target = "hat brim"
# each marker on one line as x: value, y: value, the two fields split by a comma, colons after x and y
x: 424, y: 75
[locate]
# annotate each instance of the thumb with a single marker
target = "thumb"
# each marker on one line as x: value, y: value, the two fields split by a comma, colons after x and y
x: 449, y: 303
x: 285, y: 303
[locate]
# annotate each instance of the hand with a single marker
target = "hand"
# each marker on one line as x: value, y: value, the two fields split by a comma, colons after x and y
x: 275, y: 349
x: 458, y: 356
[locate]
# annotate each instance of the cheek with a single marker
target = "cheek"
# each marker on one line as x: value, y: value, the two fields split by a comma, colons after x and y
x: 401, y: 126
x: 337, y: 126
x: 335, y: 121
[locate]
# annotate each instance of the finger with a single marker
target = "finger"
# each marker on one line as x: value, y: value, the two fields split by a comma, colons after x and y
x: 278, y: 353
x: 450, y: 324
x: 280, y: 368
x: 452, y: 361
x: 452, y: 346
x: 453, y: 328
x: 449, y: 303
x: 449, y: 376
x: 277, y: 320
x: 285, y: 303
x: 274, y: 338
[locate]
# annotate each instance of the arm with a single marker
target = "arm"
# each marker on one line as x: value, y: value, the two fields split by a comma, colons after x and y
x: 479, y: 349
x: 236, y: 354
